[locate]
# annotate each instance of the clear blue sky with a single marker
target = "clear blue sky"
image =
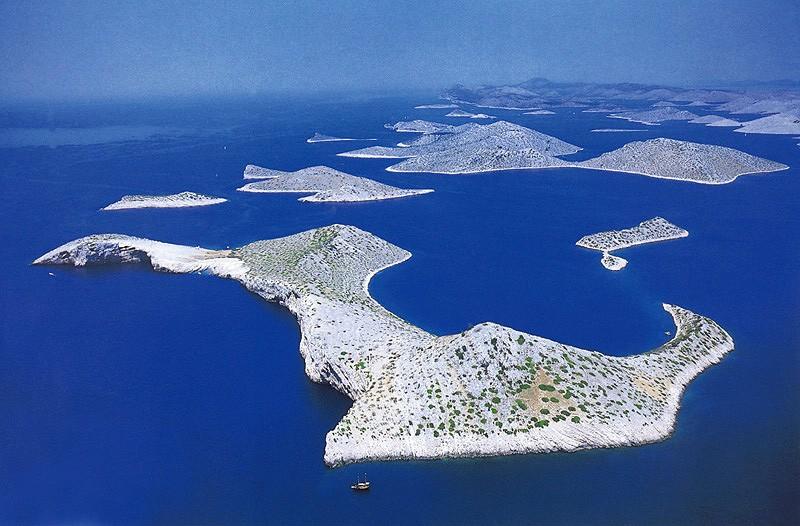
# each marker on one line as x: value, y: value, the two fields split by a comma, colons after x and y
x: 78, y: 49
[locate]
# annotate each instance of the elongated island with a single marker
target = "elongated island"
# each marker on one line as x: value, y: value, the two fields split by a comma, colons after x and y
x: 650, y: 231
x: 490, y: 390
x: 324, y: 184
x: 180, y: 200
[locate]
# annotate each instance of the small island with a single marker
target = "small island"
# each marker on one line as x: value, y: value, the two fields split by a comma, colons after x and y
x: 180, y: 200
x: 324, y: 183
x: 539, y: 112
x: 489, y: 390
x: 435, y: 106
x: 318, y: 137
x: 617, y: 130
x: 419, y: 126
x: 650, y: 231
x: 468, y: 115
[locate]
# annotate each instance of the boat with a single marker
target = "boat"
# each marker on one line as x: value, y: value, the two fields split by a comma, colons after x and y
x: 361, y: 485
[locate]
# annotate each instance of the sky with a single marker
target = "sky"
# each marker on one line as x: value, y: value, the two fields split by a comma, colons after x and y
x: 64, y: 50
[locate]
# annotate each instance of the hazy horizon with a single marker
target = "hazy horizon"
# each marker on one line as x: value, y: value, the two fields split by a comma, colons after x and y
x: 55, y: 50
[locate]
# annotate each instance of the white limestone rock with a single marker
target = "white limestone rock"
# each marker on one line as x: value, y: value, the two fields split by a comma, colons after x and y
x: 682, y: 160
x: 325, y: 184
x: 180, y: 200
x: 490, y: 390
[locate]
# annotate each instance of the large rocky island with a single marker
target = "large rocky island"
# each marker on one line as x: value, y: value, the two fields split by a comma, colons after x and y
x: 489, y: 390
x: 180, y: 200
x: 325, y: 184
x: 650, y: 231
x: 682, y: 160
x: 472, y: 148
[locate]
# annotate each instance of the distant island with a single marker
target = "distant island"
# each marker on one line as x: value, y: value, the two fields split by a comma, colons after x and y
x: 435, y: 106
x: 778, y: 106
x: 655, y: 116
x: 490, y: 390
x: 539, y: 112
x: 462, y: 113
x: 617, y: 130
x: 650, y: 231
x: 180, y: 200
x: 715, y: 120
x: 318, y: 137
x: 325, y: 184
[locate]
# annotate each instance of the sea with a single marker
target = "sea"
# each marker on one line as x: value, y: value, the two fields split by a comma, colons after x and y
x: 132, y: 397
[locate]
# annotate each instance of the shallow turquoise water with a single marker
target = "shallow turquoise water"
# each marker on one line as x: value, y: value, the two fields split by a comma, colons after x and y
x: 132, y: 397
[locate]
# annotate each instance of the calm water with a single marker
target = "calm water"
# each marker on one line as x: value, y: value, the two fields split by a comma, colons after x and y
x: 133, y: 397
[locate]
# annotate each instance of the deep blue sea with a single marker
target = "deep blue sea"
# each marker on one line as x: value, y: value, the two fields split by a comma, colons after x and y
x: 134, y: 397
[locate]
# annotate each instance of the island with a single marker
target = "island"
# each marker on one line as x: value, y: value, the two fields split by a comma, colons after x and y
x: 650, y: 231
x: 489, y: 390
x: 435, y: 106
x: 618, y: 130
x: 324, y: 183
x: 539, y: 112
x: 180, y: 200
x: 472, y: 148
x: 682, y: 160
x: 655, y: 116
x: 715, y: 120
x: 419, y: 126
x: 318, y: 137
x: 787, y: 123
x: 462, y: 113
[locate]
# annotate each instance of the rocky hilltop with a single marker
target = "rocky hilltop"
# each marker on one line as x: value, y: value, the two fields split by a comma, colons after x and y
x: 181, y: 200
x: 682, y: 160
x: 327, y: 185
x: 650, y: 231
x: 489, y: 390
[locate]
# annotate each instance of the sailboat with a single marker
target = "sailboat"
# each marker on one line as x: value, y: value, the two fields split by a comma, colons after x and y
x: 361, y: 486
